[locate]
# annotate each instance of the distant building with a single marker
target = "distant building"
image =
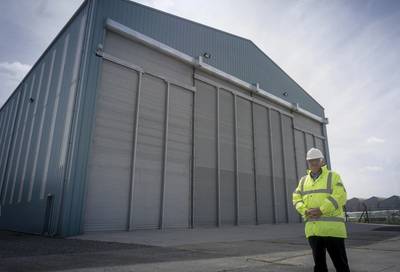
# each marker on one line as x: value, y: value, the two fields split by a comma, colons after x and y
x: 354, y: 204
x: 373, y: 203
x: 391, y: 203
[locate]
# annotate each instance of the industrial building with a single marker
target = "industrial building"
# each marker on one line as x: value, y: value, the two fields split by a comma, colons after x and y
x: 373, y: 204
x: 134, y: 118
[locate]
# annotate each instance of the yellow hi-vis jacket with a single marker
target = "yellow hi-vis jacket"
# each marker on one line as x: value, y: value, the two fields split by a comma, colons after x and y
x: 328, y: 194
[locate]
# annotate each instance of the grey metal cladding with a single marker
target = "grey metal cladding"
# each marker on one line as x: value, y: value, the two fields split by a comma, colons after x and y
x: 44, y: 106
x: 16, y: 141
x: 11, y: 110
x: 153, y: 188
x: 277, y: 162
x: 300, y: 152
x: 110, y: 160
x: 319, y: 143
x: 309, y: 141
x: 16, y: 179
x: 178, y: 158
x: 205, y: 183
x: 148, y: 59
x: 291, y: 177
x: 227, y: 157
x: 31, y: 156
x: 31, y: 140
x: 265, y: 196
x: 150, y: 147
x: 245, y: 163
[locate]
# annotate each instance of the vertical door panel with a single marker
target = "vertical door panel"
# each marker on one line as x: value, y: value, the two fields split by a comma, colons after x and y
x: 205, y: 184
x: 247, y: 208
x: 109, y: 173
x: 149, y: 154
x: 290, y: 165
x: 265, y: 197
x: 277, y: 160
x: 227, y: 157
x: 178, y: 160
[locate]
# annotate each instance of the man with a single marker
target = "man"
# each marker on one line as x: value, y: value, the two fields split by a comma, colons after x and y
x: 320, y: 198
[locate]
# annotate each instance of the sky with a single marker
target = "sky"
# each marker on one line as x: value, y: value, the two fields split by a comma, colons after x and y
x: 346, y: 54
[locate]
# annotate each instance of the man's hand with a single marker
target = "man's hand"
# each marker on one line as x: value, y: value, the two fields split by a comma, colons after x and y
x: 313, y: 213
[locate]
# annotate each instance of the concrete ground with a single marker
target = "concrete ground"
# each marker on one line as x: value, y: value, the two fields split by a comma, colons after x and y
x: 245, y: 248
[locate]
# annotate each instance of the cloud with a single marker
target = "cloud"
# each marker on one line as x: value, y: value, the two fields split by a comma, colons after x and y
x: 42, y: 8
x: 375, y: 140
x: 161, y: 4
x: 11, y: 74
x: 15, y: 70
x: 27, y: 28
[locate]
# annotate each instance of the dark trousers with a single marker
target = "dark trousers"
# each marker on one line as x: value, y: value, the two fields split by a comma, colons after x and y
x: 336, y: 250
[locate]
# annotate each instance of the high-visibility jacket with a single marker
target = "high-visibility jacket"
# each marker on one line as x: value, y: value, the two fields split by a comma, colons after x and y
x: 328, y: 194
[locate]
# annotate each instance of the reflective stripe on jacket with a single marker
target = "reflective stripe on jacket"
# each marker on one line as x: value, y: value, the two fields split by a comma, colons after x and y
x: 328, y: 194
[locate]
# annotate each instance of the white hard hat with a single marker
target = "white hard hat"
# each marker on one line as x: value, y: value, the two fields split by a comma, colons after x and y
x: 314, y: 153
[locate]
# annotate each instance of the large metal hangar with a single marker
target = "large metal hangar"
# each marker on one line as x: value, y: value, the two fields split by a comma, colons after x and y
x: 134, y: 118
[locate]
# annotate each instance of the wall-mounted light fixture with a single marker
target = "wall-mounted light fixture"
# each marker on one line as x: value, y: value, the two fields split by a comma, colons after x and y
x: 207, y: 55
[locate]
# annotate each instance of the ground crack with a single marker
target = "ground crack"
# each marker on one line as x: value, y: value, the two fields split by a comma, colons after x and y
x: 277, y: 261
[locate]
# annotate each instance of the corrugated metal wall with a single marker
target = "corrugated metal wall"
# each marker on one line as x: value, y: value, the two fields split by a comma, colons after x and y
x: 165, y: 156
x: 34, y: 130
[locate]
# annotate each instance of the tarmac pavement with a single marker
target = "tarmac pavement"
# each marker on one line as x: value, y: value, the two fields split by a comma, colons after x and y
x: 280, y: 247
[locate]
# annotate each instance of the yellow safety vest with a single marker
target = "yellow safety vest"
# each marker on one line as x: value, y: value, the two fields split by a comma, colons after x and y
x: 328, y: 194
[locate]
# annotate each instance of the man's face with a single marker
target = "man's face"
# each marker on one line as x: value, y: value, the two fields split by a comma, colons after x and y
x: 315, y: 165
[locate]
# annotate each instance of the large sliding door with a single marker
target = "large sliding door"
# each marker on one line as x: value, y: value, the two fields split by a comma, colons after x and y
x: 140, y: 166
x: 174, y: 146
x: 109, y: 176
